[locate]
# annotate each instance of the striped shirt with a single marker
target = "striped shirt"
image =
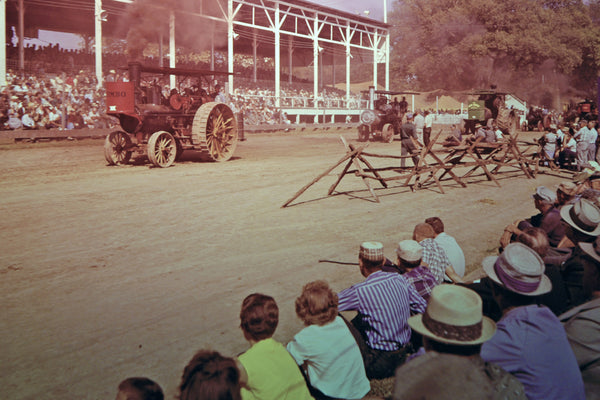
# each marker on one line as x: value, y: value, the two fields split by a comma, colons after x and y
x: 385, y: 301
x: 436, y: 259
x: 422, y: 279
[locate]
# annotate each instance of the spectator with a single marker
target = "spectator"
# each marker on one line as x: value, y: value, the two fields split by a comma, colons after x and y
x: 450, y: 246
x: 267, y: 370
x: 548, y: 219
x: 409, y: 255
x: 453, y: 330
x: 427, y: 127
x: 434, y: 256
x: 384, y: 302
x: 408, y: 136
x: 529, y: 342
x: 582, y: 324
x: 325, y: 349
x: 139, y: 389
x: 210, y: 376
x: 566, y: 193
x: 419, y: 125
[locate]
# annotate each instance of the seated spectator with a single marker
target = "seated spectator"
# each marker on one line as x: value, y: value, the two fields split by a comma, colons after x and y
x: 582, y: 324
x: 583, y: 226
x: 210, y: 376
x: 455, y: 137
x: 267, y: 370
x: 568, y: 151
x: 434, y: 256
x: 384, y: 302
x: 410, y: 254
x: 548, y: 219
x: 566, y: 193
x: 139, y: 389
x: 325, y: 349
x: 450, y: 246
x: 453, y: 330
x: 529, y: 342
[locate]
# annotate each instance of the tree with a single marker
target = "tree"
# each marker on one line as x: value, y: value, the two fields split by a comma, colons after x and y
x: 465, y: 44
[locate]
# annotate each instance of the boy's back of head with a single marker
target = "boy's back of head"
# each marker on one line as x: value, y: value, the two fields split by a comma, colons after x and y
x: 139, y: 389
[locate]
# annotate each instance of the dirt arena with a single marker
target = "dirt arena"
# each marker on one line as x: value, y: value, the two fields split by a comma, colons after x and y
x: 111, y: 272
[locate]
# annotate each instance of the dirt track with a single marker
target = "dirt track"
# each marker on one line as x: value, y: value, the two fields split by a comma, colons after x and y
x: 110, y: 272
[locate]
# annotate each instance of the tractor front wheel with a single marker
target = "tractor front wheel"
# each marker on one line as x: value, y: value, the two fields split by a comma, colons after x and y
x: 117, y: 148
x: 162, y: 149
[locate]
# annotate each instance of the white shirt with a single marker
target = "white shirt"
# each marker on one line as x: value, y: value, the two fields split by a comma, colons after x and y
x: 419, y: 122
x: 592, y: 135
x: 453, y: 251
x: 334, y: 363
x: 429, y: 121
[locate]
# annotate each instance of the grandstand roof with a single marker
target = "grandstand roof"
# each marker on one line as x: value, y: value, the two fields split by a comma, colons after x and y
x: 252, y: 17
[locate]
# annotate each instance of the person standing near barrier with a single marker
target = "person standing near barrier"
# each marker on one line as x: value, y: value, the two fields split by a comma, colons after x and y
x: 419, y: 125
x: 427, y: 127
x: 583, y: 143
x: 408, y: 137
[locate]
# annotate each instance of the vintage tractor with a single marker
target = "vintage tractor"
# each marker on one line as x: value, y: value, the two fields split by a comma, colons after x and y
x: 162, y: 128
x: 383, y: 119
x: 489, y: 105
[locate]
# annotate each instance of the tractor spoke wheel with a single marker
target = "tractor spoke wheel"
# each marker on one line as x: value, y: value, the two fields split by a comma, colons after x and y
x: 117, y: 148
x: 162, y: 149
x: 216, y: 126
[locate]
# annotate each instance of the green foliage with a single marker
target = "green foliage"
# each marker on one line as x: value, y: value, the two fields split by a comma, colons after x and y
x: 466, y: 44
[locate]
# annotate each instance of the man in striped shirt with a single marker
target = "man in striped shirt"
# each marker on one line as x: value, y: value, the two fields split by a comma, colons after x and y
x: 384, y: 301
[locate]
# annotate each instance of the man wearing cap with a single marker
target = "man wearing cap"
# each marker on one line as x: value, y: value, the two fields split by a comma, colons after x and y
x: 530, y: 341
x: 582, y: 324
x: 409, y: 254
x: 566, y: 193
x: 453, y: 329
x: 408, y: 138
x: 548, y: 219
x: 384, y: 301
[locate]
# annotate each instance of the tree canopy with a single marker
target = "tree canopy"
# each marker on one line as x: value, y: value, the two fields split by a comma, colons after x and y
x: 530, y: 47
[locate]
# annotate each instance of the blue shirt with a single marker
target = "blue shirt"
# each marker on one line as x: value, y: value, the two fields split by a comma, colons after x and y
x: 531, y: 344
x: 385, y: 301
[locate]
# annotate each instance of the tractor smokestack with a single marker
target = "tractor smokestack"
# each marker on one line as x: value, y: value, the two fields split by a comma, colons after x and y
x: 135, y: 68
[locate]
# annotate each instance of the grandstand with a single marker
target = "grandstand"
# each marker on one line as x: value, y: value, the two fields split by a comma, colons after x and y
x: 290, y: 33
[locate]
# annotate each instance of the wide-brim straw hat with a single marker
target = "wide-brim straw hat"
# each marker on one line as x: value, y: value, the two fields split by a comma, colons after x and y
x: 454, y: 316
x: 518, y: 269
x: 592, y: 249
x: 583, y: 216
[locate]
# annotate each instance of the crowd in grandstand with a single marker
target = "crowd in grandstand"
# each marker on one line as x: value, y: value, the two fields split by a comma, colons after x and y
x: 58, y: 89
x: 527, y: 328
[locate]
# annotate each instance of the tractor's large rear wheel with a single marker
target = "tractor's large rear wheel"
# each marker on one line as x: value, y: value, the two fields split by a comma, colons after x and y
x: 117, y: 148
x: 215, y: 128
x: 162, y: 149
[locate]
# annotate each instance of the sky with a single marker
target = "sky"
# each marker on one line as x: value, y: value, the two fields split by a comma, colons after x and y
x: 375, y: 7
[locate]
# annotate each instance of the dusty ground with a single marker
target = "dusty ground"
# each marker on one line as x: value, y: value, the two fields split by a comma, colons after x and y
x: 110, y: 272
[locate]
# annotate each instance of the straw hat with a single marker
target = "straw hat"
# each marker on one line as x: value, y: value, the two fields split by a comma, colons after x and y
x: 519, y: 269
x: 583, y: 216
x: 454, y: 316
x: 592, y: 249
